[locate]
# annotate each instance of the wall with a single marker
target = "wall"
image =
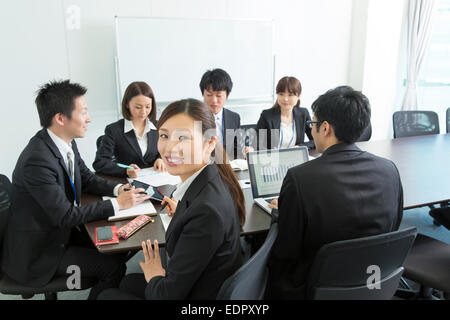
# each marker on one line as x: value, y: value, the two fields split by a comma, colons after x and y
x: 311, y: 41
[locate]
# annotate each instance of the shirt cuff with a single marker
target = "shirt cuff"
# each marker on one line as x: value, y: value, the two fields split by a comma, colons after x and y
x: 116, y: 190
x: 115, y: 205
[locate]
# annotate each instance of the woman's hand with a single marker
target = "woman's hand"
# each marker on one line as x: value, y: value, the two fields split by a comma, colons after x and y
x: 171, y: 205
x: 133, y: 173
x: 159, y: 166
x: 152, y: 265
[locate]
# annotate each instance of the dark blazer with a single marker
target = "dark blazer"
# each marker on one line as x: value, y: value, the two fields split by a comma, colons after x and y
x: 42, y: 210
x: 231, y: 138
x: 120, y: 147
x: 202, y: 242
x: 270, y: 120
x: 344, y: 194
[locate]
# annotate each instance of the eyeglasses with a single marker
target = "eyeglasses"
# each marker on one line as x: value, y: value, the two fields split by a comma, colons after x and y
x: 310, y: 123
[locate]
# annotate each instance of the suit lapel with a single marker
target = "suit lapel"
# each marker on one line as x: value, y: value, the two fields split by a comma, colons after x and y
x: 192, y: 192
x: 298, y: 126
x: 151, y: 141
x: 132, y: 140
x: 44, y: 135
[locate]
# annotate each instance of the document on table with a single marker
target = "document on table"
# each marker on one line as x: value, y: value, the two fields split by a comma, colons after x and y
x: 145, y: 207
x: 239, y: 164
x: 156, y: 178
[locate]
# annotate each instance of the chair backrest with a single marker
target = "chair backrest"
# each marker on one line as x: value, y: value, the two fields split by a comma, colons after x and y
x: 5, y: 202
x: 367, y: 268
x: 448, y: 120
x: 367, y: 134
x: 99, y: 141
x: 415, y: 123
x: 250, y: 136
x: 249, y: 281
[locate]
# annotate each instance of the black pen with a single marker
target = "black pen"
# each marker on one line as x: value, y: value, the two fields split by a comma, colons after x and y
x: 127, y: 189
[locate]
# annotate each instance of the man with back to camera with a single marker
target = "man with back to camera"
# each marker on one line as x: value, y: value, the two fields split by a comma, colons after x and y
x: 216, y: 86
x: 42, y: 239
x: 344, y: 194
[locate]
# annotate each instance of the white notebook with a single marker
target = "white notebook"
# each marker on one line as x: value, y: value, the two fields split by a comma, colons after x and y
x: 155, y: 178
x: 145, y: 207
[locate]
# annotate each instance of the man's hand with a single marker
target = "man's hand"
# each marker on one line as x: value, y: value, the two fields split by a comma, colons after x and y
x: 128, y: 199
x: 274, y: 204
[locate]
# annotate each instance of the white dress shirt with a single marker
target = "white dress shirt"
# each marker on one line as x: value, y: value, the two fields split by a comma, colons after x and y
x: 183, y: 186
x: 288, y: 135
x: 218, y: 118
x: 142, y: 140
x: 64, y: 149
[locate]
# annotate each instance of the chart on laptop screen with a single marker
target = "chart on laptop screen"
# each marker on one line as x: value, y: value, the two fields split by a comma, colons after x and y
x: 271, y: 168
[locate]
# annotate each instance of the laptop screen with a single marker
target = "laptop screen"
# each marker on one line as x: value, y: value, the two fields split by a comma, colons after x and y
x: 268, y: 168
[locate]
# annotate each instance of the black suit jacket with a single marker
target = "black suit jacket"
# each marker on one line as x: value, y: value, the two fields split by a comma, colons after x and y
x: 120, y: 147
x: 231, y: 138
x: 345, y: 194
x: 43, y: 211
x: 202, y: 242
x: 269, y: 123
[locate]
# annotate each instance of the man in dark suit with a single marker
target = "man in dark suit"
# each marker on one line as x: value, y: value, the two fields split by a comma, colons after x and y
x: 344, y: 194
x: 216, y: 86
x: 43, y: 237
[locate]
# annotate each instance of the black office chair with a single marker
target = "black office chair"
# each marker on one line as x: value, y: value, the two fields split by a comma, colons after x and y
x: 441, y: 216
x: 99, y: 141
x: 249, y: 282
x: 448, y: 120
x: 249, y: 131
x: 428, y: 264
x: 367, y: 134
x: 11, y: 287
x: 415, y: 123
x: 341, y: 270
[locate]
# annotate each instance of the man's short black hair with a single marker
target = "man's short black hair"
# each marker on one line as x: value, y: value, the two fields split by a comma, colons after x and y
x: 57, y: 97
x: 347, y: 110
x: 217, y: 80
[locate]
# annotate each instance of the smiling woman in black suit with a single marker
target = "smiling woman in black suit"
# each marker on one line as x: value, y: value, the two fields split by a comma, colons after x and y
x: 202, y: 240
x: 133, y: 140
x: 284, y: 125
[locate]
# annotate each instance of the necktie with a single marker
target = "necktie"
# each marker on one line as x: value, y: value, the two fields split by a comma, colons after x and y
x: 70, y: 165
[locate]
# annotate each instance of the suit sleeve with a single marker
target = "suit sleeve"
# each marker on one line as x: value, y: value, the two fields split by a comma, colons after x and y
x: 202, y: 235
x: 104, y: 158
x: 287, y: 247
x: 41, y: 181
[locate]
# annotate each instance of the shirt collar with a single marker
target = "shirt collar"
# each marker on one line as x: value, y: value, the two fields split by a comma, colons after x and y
x: 184, y: 186
x: 62, y: 146
x: 219, y: 116
x: 128, y: 126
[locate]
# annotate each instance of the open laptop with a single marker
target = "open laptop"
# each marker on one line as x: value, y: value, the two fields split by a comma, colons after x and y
x: 267, y: 170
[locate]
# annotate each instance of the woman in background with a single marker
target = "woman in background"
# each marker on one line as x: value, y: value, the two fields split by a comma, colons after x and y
x: 131, y: 141
x: 285, y: 123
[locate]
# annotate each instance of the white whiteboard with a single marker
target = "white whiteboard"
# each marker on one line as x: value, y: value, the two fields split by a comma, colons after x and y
x: 171, y: 55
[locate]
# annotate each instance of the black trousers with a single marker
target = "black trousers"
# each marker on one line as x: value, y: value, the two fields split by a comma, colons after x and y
x: 106, y: 270
x: 132, y: 287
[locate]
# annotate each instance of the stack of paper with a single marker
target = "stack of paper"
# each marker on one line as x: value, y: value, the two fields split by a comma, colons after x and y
x: 145, y: 207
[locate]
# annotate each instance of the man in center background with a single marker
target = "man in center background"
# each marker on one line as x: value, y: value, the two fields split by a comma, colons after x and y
x: 216, y: 86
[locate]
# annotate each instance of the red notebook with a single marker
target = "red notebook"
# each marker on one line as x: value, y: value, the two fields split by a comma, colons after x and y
x: 106, y: 235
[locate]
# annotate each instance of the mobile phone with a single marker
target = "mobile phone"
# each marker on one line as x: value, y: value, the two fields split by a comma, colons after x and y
x: 153, y: 192
x: 104, y: 233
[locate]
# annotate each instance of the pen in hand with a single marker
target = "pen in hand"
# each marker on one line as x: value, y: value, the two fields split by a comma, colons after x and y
x: 128, y: 189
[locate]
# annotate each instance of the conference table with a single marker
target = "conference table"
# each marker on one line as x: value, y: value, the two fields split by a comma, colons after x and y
x: 422, y: 161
